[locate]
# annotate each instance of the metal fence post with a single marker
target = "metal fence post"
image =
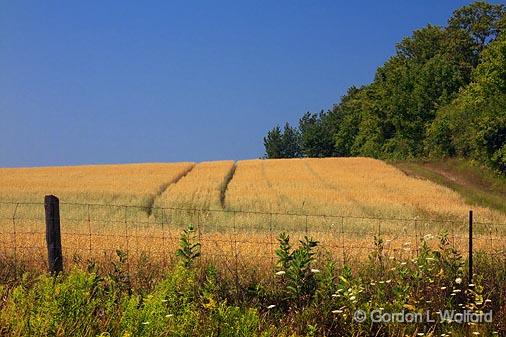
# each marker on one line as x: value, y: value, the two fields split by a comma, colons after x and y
x: 53, y: 235
x: 14, y: 238
x: 470, y: 259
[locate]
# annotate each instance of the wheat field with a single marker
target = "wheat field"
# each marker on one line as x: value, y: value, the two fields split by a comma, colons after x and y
x: 238, y: 206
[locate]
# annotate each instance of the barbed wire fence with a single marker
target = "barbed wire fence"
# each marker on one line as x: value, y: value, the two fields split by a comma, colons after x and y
x: 237, y: 239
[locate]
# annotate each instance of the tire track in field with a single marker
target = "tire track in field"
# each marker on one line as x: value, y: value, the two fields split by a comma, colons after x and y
x: 163, y: 187
x: 224, y: 185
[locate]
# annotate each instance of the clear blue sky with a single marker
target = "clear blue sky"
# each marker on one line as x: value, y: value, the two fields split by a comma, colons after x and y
x: 153, y: 81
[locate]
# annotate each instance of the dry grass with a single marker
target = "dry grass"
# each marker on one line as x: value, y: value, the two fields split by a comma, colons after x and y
x: 360, y: 187
x: 201, y: 188
x: 130, y: 183
x: 354, y: 190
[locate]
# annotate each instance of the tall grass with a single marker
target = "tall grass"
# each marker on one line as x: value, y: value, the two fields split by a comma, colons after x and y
x: 308, y: 293
x: 343, y: 186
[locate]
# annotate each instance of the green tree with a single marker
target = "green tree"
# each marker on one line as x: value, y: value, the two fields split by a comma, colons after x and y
x: 481, y: 20
x: 441, y: 94
x: 291, y: 140
x: 273, y: 143
x: 316, y: 135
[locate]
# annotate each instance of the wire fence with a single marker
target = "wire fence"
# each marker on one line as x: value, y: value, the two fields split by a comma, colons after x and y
x: 236, y: 238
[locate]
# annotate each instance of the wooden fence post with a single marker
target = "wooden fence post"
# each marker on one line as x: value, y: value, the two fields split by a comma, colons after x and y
x: 53, y: 235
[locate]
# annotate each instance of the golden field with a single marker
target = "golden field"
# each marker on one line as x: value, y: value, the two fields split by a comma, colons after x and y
x: 201, y: 188
x: 343, y: 202
x: 359, y: 187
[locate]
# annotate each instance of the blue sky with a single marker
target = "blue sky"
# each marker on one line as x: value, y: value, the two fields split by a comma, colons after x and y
x: 156, y: 81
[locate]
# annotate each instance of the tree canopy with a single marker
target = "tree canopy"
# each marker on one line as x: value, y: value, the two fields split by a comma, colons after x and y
x: 442, y: 94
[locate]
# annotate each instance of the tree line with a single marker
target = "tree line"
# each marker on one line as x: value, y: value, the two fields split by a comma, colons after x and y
x: 443, y: 94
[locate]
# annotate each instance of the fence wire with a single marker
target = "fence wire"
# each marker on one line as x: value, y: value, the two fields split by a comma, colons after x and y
x: 237, y: 238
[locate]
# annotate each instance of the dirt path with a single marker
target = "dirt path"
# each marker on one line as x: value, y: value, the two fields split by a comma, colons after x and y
x: 477, y: 185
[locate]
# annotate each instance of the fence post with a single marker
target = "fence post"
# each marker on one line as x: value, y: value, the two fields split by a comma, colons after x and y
x: 470, y: 259
x: 53, y: 235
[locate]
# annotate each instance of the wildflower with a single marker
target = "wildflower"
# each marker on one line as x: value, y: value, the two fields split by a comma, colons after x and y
x: 458, y: 280
x: 315, y: 271
x: 281, y: 272
x: 271, y: 306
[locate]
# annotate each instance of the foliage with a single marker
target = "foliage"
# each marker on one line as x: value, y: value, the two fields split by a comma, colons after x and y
x: 189, y: 249
x: 435, y: 97
x: 303, y: 302
x: 282, y: 144
x: 295, y: 268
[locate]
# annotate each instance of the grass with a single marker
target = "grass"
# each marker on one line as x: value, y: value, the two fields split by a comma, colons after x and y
x: 353, y: 198
x: 478, y: 185
x: 360, y: 187
x: 201, y: 188
x: 307, y: 293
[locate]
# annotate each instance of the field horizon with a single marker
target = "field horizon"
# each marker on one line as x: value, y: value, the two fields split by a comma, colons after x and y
x: 294, y: 184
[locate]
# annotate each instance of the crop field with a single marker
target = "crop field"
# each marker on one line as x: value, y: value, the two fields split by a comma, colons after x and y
x: 239, y: 208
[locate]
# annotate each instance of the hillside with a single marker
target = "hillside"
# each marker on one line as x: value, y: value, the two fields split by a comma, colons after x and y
x: 353, y: 187
x: 478, y: 185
